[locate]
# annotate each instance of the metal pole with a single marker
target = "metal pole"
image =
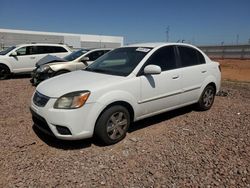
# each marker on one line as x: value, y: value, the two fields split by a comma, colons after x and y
x: 167, y: 33
x: 237, y: 39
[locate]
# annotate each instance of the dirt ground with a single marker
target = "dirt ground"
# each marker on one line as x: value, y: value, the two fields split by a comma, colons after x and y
x: 235, y: 70
x: 182, y: 148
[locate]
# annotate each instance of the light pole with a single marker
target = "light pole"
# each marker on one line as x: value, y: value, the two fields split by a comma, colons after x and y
x: 167, y: 33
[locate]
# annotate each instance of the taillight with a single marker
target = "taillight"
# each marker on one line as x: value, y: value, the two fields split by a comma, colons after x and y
x: 219, y: 68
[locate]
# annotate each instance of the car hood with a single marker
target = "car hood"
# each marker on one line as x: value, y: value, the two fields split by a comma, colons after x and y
x: 49, y: 59
x: 76, y: 81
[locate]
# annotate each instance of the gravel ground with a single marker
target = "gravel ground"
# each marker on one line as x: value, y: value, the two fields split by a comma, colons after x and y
x: 183, y: 148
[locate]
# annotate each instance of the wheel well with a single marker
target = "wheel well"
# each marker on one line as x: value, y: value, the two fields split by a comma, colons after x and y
x: 213, y: 85
x: 3, y: 65
x: 124, y: 104
x: 63, y: 70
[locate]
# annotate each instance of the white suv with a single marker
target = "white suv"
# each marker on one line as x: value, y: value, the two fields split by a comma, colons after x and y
x: 125, y: 85
x: 22, y: 58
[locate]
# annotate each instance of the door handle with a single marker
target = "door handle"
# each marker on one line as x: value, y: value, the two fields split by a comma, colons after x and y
x: 175, y: 77
x: 204, y: 71
x: 32, y: 57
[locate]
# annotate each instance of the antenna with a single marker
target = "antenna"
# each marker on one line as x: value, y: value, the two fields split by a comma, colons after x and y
x: 237, y: 39
x: 167, y: 33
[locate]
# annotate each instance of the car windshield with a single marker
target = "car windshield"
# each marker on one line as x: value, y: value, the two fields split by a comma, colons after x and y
x: 121, y: 61
x: 75, y: 55
x: 4, y: 52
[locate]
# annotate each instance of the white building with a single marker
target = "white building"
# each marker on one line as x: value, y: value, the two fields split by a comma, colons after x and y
x: 10, y: 37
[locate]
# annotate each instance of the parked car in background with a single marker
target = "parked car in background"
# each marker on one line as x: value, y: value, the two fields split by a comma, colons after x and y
x: 22, y: 58
x: 125, y: 85
x: 77, y: 60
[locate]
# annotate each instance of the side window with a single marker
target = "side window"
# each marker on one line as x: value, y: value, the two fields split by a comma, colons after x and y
x: 190, y: 56
x: 58, y: 49
x: 22, y: 51
x: 49, y: 49
x: 35, y: 50
x: 39, y: 49
x: 45, y: 49
x: 163, y: 57
x: 201, y: 58
x: 94, y: 55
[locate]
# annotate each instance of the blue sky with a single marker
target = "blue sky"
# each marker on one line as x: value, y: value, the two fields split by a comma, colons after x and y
x: 195, y: 21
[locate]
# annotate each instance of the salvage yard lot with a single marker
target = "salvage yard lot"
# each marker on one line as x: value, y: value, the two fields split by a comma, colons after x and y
x: 175, y: 149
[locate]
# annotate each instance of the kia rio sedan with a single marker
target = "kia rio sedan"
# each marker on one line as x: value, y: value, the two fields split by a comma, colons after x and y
x: 125, y: 85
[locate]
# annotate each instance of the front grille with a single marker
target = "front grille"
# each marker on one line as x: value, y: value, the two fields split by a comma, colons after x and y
x: 41, y: 123
x: 40, y: 99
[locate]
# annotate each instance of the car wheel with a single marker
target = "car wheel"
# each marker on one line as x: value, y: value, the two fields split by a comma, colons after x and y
x: 60, y: 72
x: 4, y: 72
x: 207, y: 98
x: 112, y: 125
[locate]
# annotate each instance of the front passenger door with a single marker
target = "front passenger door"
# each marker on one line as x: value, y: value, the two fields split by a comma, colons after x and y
x: 24, y: 61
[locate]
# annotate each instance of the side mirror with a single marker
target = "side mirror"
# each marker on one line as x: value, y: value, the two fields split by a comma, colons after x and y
x: 152, y: 69
x: 84, y: 59
x: 13, y: 54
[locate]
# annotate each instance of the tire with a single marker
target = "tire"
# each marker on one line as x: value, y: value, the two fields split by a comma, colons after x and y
x: 206, y: 99
x: 4, y: 72
x: 60, y: 72
x: 112, y: 125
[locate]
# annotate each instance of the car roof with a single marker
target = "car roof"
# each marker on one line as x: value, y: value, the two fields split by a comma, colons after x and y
x: 157, y: 44
x: 40, y: 44
x: 92, y: 49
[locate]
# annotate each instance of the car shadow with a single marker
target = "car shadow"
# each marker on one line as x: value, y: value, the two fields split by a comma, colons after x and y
x: 160, y: 118
x: 65, y: 144
x: 85, y: 143
x: 20, y: 76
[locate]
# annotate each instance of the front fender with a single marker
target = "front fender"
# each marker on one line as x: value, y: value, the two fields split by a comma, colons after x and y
x: 117, y: 96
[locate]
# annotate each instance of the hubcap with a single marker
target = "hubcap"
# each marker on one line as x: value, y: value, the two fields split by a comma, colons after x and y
x: 208, y: 98
x: 117, y: 125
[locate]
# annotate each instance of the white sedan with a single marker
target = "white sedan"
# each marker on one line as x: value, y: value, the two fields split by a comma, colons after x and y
x: 125, y: 85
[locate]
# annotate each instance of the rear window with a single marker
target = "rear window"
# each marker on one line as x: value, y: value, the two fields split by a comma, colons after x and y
x: 190, y: 56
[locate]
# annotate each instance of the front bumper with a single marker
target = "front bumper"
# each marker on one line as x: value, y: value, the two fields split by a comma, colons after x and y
x: 73, y: 124
x: 38, y: 77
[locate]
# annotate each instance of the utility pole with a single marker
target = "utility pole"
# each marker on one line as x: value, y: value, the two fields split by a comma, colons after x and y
x: 237, y: 39
x: 167, y: 33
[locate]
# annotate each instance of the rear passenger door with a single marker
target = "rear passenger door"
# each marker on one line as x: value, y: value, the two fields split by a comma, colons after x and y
x: 161, y: 91
x: 193, y: 72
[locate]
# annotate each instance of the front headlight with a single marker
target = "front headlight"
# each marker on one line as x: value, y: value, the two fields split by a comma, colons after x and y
x: 72, y: 100
x: 45, y: 68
